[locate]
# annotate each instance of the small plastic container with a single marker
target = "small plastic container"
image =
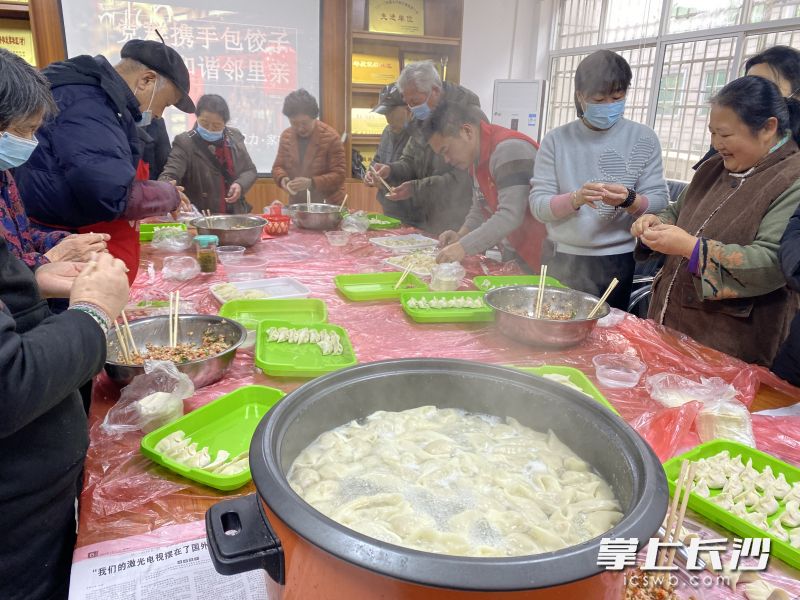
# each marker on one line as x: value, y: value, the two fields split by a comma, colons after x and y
x: 245, y: 268
x: 226, y: 253
x: 618, y: 370
x: 446, y: 277
x: 207, y: 252
x: 337, y: 238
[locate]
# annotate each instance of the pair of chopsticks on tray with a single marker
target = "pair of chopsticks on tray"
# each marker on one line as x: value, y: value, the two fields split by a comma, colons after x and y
x: 125, y: 337
x: 404, y: 275
x: 174, y: 310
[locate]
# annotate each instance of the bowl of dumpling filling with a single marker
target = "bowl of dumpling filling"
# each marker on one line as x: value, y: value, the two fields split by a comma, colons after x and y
x: 563, y: 320
x: 204, y: 349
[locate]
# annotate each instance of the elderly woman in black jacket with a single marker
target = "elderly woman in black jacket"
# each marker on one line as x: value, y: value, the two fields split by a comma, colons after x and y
x: 44, y: 359
x: 787, y: 362
x: 211, y: 161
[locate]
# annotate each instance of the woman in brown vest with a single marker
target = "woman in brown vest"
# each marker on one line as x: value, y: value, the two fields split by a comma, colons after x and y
x: 721, y: 282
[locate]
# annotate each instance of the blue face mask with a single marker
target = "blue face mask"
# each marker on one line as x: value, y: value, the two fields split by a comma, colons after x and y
x: 209, y: 136
x: 14, y: 151
x: 422, y: 111
x: 604, y: 116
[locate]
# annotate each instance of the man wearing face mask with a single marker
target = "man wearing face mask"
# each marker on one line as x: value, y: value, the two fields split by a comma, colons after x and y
x: 393, y: 140
x: 592, y: 178
x: 87, y: 173
x: 442, y: 194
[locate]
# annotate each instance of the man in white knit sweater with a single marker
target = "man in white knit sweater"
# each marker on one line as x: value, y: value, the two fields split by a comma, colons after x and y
x: 592, y: 178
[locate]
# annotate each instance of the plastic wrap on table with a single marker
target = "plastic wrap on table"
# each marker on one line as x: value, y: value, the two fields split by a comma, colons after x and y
x: 726, y: 419
x: 671, y: 389
x: 779, y: 436
x: 126, y: 495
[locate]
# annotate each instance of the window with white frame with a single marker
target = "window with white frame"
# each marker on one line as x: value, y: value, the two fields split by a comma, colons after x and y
x: 681, y: 53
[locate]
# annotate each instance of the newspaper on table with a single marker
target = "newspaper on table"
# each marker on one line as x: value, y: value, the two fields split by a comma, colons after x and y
x: 156, y: 566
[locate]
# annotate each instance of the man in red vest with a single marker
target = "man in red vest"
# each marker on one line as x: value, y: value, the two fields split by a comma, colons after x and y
x: 501, y: 164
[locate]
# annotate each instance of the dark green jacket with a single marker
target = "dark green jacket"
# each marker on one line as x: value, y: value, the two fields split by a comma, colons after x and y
x: 442, y: 194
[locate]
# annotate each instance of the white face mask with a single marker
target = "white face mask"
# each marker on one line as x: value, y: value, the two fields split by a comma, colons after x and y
x: 147, y: 115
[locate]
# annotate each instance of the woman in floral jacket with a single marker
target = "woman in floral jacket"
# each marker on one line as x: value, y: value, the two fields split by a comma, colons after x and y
x: 37, y: 247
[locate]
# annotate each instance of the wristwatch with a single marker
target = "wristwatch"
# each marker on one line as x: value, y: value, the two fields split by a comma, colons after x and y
x: 629, y: 200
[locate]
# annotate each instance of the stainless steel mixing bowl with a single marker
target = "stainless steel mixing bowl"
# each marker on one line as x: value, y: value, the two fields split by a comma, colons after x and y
x: 191, y: 328
x: 509, y: 302
x: 321, y: 217
x: 232, y: 230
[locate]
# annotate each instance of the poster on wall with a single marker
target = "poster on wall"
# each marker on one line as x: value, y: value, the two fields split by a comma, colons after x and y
x: 16, y: 37
x: 252, y: 53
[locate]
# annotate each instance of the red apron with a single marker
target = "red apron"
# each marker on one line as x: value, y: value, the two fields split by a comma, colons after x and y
x: 124, y: 242
x: 527, y: 238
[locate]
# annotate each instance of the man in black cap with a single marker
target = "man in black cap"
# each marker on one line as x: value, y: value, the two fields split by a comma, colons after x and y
x: 87, y: 173
x: 393, y: 139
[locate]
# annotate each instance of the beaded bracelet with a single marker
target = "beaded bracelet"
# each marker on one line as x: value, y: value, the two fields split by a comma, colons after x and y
x: 94, y: 311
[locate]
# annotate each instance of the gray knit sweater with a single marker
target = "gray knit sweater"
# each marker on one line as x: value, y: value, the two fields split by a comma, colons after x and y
x: 571, y: 155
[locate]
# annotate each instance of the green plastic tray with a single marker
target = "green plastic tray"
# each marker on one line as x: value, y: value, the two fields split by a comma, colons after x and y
x: 576, y: 376
x: 446, y: 315
x: 489, y: 282
x: 227, y: 423
x: 387, y: 222
x: 296, y: 310
x: 376, y: 286
x: 146, y: 230
x: 282, y: 359
x: 782, y: 550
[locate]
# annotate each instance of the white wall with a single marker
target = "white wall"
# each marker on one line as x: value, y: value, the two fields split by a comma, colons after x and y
x: 503, y: 39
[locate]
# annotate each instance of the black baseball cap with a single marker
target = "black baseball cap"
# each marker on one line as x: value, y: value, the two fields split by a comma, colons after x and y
x: 389, y: 98
x: 165, y: 61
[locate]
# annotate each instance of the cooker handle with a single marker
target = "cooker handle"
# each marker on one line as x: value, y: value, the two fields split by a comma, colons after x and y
x: 240, y: 538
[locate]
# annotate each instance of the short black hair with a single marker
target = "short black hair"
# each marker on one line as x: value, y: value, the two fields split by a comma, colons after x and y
x: 783, y: 61
x: 755, y: 100
x: 24, y: 91
x: 448, y: 118
x: 213, y: 103
x: 602, y: 72
x: 300, y: 102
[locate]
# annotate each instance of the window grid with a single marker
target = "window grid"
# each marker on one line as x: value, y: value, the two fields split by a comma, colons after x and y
x: 676, y: 66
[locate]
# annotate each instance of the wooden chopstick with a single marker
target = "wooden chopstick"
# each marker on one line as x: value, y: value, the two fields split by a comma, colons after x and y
x: 604, y: 297
x: 170, y: 320
x: 389, y: 188
x: 687, y: 490
x: 129, y: 333
x: 123, y: 347
x: 177, y: 313
x: 403, y: 276
x: 673, y: 510
x: 540, y: 295
x: 308, y: 199
x: 341, y: 206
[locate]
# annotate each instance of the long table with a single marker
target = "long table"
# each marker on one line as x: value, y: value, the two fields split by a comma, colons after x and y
x: 124, y: 494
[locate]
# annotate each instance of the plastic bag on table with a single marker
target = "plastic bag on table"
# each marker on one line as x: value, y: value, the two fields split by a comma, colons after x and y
x: 357, y: 222
x: 673, y: 390
x: 150, y: 400
x: 725, y: 419
x: 171, y: 240
x: 180, y: 268
x: 446, y: 277
x: 665, y: 429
